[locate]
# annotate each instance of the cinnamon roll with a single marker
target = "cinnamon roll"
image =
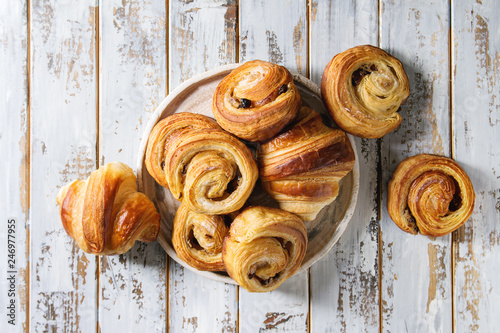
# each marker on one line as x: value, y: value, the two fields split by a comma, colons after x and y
x: 430, y: 194
x: 105, y: 214
x: 264, y: 247
x: 207, y: 169
x: 363, y: 89
x: 301, y: 167
x: 256, y: 100
x: 197, y: 239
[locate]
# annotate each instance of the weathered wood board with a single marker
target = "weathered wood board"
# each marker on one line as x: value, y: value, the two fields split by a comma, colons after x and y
x: 476, y: 137
x: 132, y: 82
x: 344, y: 284
x: 63, y: 104
x: 416, y: 270
x: 14, y: 171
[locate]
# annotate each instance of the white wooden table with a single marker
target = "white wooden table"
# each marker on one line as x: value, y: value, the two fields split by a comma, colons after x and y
x: 79, y: 81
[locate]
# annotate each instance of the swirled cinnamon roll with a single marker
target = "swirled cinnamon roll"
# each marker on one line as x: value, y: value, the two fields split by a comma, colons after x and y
x: 256, y: 100
x: 430, y: 194
x: 105, y: 214
x: 264, y: 247
x: 301, y: 167
x: 207, y: 169
x: 197, y: 239
x: 363, y: 88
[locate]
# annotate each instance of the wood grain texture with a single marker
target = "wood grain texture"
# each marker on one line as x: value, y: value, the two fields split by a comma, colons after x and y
x: 416, y: 269
x: 132, y: 83
x: 476, y: 133
x: 14, y: 144
x: 275, y: 31
x: 63, y: 137
x: 202, y: 37
x: 344, y: 284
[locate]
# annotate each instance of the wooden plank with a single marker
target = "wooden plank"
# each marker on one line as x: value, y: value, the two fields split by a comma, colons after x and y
x: 416, y: 279
x: 344, y: 284
x: 63, y: 137
x: 132, y: 83
x: 278, y: 35
x: 202, y: 37
x: 14, y: 144
x: 476, y: 133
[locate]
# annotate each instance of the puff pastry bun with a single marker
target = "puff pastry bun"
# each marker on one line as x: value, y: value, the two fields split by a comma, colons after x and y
x: 363, y: 88
x: 105, y: 214
x: 207, y: 169
x: 256, y: 100
x: 197, y: 239
x: 301, y: 167
x: 265, y: 246
x: 430, y: 194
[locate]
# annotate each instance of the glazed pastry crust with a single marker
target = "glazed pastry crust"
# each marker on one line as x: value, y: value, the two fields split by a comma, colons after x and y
x: 105, y: 214
x: 363, y: 89
x: 197, y: 239
x: 272, y: 97
x: 207, y: 169
x: 265, y: 246
x: 301, y: 168
x: 430, y: 194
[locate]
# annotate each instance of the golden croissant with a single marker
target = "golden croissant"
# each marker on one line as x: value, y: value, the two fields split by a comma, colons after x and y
x: 430, y: 194
x: 363, y: 89
x: 105, y: 214
x: 207, y: 169
x: 197, y: 239
x: 256, y: 100
x: 264, y: 247
x: 301, y: 167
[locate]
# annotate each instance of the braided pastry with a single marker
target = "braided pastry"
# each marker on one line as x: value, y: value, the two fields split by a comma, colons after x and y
x: 197, y: 239
x: 301, y: 168
x: 256, y: 100
x: 264, y: 247
x: 105, y: 214
x: 430, y: 194
x: 363, y: 89
x: 207, y: 169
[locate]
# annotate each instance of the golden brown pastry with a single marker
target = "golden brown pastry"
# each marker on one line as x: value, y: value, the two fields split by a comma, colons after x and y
x: 207, y: 169
x: 265, y: 246
x: 161, y: 134
x: 301, y: 168
x: 105, y: 214
x: 197, y: 239
x: 430, y: 194
x: 256, y: 100
x: 363, y: 88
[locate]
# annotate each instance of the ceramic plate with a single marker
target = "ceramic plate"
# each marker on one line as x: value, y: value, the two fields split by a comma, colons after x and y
x: 195, y: 95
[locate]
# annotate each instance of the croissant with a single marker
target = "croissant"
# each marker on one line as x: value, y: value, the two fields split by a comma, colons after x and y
x: 197, y: 239
x: 264, y: 247
x: 430, y: 194
x: 301, y: 168
x: 363, y: 89
x: 207, y: 169
x: 256, y: 100
x: 105, y: 214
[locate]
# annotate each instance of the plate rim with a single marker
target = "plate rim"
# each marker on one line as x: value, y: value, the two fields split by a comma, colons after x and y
x: 140, y: 170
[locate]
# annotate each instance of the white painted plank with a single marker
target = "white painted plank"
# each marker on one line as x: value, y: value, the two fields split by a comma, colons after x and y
x: 344, y: 284
x: 476, y: 134
x: 14, y: 145
x: 416, y: 270
x: 132, y: 83
x: 275, y: 31
x: 63, y: 136
x: 202, y: 37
